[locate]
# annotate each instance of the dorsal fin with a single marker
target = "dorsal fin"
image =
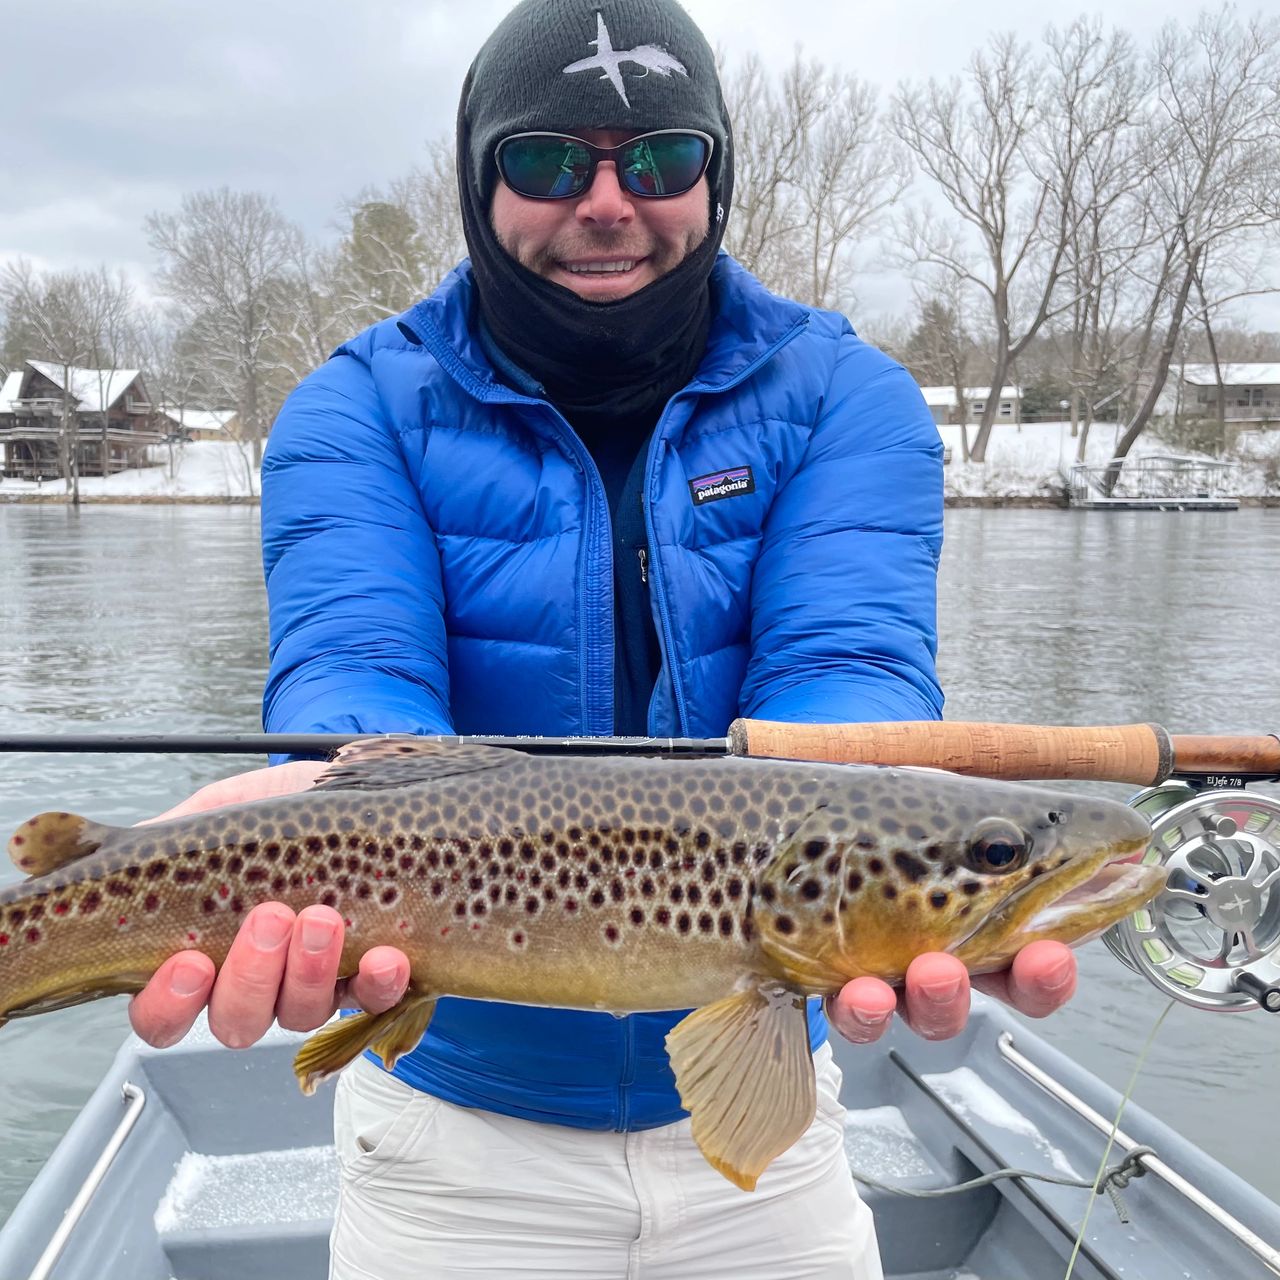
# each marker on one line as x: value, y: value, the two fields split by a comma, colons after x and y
x: 402, y: 760
x: 50, y: 840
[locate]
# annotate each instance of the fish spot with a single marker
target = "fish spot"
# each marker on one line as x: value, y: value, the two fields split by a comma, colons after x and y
x: 939, y: 899
x: 637, y: 916
x: 684, y: 922
x: 890, y: 826
x: 156, y: 869
x: 33, y: 935
x: 768, y: 893
x: 4, y: 939
x: 784, y: 925
x: 517, y: 940
x: 662, y: 916
x: 890, y: 891
x: 811, y: 890
x: 911, y: 867
x: 89, y: 903
x: 694, y: 895
x: 876, y: 866
x: 209, y: 906
x: 611, y: 934
x: 726, y: 924
x: 970, y: 887
x: 329, y: 898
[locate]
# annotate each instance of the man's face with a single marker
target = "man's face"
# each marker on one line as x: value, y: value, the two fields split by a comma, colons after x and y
x: 580, y: 241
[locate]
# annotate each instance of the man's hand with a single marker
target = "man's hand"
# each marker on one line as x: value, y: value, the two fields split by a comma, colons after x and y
x: 1041, y: 979
x: 281, y: 967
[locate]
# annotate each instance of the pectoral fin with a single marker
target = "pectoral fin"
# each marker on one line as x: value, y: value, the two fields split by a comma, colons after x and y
x: 745, y: 1075
x: 388, y: 1034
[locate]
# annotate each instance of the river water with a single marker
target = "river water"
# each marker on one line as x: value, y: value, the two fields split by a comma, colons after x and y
x: 152, y: 619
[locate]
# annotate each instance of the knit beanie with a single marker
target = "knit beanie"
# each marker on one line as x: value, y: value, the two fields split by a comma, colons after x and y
x: 560, y: 65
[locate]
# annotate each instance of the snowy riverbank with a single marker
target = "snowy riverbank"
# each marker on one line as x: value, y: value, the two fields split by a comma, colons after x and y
x: 1024, y: 464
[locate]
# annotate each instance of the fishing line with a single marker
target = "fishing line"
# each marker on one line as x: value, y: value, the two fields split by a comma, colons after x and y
x: 1111, y: 1137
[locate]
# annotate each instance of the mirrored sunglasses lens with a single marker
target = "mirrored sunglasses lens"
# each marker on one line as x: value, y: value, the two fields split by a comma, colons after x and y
x: 664, y: 164
x: 544, y: 167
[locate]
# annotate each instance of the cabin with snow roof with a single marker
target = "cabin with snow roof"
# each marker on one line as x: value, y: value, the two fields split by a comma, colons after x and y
x: 1251, y: 392
x: 113, y: 422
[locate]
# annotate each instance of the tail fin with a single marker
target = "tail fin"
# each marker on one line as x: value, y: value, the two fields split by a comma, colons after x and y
x: 51, y: 840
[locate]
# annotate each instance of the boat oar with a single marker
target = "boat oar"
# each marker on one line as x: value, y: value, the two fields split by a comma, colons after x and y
x: 1138, y: 753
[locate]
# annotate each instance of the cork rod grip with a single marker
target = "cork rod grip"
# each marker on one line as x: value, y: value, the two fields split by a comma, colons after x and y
x: 1139, y: 753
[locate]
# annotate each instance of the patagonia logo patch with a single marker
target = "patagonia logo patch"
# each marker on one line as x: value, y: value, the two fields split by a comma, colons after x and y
x: 722, y: 484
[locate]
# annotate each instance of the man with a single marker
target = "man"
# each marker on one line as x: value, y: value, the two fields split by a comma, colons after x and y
x: 601, y: 481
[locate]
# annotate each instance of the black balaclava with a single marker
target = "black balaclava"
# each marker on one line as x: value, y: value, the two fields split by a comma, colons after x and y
x: 623, y: 358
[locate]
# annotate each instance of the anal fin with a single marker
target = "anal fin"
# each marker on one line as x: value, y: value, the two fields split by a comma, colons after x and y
x: 745, y: 1075
x: 388, y: 1034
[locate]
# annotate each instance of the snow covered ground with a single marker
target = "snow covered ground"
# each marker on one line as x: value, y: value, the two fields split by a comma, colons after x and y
x: 1030, y: 460
x: 1022, y: 462
x: 205, y: 470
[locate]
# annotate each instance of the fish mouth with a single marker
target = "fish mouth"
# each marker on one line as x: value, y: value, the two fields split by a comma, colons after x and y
x: 1073, y: 904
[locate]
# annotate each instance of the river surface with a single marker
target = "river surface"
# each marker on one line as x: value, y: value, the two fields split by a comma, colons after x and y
x: 152, y: 619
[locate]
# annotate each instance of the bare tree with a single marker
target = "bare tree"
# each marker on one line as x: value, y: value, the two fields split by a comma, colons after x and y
x: 1215, y: 131
x: 226, y: 256
x: 813, y: 174
x: 429, y: 195
x: 1005, y: 149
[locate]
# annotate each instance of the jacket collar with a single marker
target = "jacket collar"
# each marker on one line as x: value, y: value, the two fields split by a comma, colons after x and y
x: 747, y: 324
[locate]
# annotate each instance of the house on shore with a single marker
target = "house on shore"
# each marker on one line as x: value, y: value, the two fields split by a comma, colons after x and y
x: 946, y: 412
x: 1252, y: 392
x: 182, y: 423
x: 113, y: 421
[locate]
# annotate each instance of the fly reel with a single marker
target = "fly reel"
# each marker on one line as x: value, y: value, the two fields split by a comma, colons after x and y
x: 1211, y: 938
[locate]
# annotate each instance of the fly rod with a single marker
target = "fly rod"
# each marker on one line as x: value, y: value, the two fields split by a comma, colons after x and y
x: 1144, y: 754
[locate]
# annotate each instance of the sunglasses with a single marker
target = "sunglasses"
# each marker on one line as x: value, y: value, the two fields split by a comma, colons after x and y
x: 557, y: 166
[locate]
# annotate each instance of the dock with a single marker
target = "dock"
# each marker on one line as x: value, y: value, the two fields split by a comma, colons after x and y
x: 1155, y: 482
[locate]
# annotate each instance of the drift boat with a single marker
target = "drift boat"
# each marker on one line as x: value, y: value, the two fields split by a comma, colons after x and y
x: 203, y: 1163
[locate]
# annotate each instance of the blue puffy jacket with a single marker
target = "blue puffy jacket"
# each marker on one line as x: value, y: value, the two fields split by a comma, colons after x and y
x: 439, y: 559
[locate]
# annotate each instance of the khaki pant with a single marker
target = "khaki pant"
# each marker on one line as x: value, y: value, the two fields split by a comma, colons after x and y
x: 433, y: 1191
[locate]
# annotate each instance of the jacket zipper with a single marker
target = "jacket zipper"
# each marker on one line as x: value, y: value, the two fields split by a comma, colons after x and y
x: 658, y: 589
x: 644, y: 566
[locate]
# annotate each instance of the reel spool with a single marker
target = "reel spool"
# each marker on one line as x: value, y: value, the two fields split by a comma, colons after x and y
x: 1211, y: 939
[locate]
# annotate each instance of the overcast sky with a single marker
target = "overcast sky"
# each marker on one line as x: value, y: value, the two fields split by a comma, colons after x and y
x: 109, y: 111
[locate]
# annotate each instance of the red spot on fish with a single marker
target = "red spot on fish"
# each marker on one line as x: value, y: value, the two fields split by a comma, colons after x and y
x: 33, y: 935
x: 404, y: 924
x: 191, y: 937
x: 377, y: 875
x: 59, y: 908
x: 311, y: 879
x: 4, y: 939
x: 122, y: 921
x: 19, y: 839
x: 224, y: 891
x: 474, y: 927
x: 444, y: 933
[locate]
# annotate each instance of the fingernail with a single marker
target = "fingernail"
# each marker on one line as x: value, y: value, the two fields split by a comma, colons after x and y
x: 943, y: 990
x: 187, y: 979
x: 270, y: 929
x: 317, y: 933
x: 387, y: 982
x: 1059, y: 976
x: 870, y: 1019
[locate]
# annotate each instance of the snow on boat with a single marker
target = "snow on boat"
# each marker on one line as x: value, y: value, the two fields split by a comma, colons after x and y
x: 200, y: 1163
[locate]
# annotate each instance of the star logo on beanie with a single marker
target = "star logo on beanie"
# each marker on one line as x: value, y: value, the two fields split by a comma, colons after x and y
x: 609, y: 60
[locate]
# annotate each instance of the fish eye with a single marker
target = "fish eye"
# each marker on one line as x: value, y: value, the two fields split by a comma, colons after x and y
x: 998, y: 847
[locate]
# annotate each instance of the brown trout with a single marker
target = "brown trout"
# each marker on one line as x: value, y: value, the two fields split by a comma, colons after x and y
x: 735, y: 887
